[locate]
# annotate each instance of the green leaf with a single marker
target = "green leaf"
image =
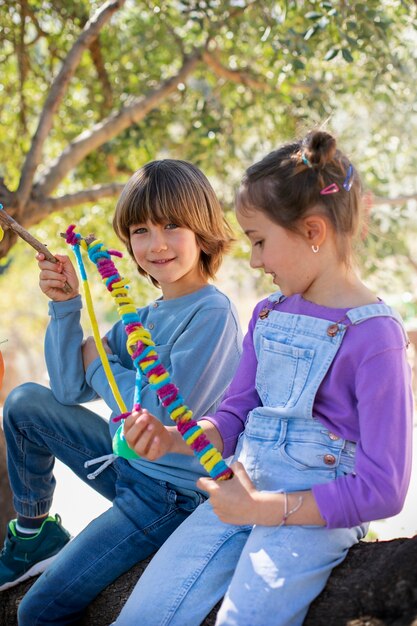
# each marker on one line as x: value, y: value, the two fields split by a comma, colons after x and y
x: 313, y: 15
x: 331, y: 54
x: 347, y: 55
x: 298, y: 65
x: 309, y: 33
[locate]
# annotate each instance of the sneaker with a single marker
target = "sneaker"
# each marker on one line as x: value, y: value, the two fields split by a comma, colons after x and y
x: 23, y: 557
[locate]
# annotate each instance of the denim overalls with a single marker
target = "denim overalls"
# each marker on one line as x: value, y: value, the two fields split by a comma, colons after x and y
x: 269, y: 575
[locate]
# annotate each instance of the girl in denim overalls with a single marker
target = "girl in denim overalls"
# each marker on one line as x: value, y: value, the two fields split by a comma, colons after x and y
x: 319, y: 414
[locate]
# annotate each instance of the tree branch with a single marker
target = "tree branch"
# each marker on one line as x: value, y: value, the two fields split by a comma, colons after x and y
x: 8, y: 222
x: 238, y: 10
x: 110, y: 127
x: 23, y: 64
x: 40, y: 32
x: 47, y: 206
x: 56, y: 94
x: 43, y: 207
x: 234, y: 76
x: 103, y: 77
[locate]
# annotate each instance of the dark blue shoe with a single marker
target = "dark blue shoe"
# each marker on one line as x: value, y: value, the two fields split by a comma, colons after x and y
x: 23, y: 557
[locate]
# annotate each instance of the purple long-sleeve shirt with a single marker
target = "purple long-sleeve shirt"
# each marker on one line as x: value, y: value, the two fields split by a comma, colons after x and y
x: 365, y: 397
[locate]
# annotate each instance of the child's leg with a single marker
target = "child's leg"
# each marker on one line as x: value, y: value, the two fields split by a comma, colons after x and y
x: 145, y: 512
x: 188, y: 575
x: 281, y: 571
x: 37, y: 429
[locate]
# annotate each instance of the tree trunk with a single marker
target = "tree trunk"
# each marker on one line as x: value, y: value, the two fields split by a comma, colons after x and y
x: 375, y: 586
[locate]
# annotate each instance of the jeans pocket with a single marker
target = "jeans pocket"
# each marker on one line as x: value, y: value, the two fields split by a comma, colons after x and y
x: 282, y: 373
x: 312, y: 457
x: 187, y: 500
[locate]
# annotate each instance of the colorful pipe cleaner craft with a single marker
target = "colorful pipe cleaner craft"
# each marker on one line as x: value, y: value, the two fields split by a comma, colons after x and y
x: 144, y: 356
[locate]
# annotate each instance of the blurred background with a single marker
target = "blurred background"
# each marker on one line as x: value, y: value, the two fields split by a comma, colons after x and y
x: 90, y: 91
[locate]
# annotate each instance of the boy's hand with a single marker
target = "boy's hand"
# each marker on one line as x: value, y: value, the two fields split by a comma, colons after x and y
x: 147, y: 436
x: 53, y: 276
x: 235, y: 501
x: 90, y: 352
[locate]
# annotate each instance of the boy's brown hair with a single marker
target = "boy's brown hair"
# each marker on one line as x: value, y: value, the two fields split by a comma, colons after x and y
x: 175, y: 191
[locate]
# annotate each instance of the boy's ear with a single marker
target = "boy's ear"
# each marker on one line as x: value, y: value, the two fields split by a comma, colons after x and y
x: 314, y: 229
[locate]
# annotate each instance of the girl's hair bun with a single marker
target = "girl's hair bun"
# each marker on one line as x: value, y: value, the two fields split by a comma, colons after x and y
x: 319, y: 148
x: 307, y: 174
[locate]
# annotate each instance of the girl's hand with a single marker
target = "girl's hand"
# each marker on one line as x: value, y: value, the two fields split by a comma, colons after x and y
x: 52, y: 277
x: 235, y: 501
x: 147, y: 436
x: 89, y: 350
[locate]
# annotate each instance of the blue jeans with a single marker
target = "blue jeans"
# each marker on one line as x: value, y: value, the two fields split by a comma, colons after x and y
x: 267, y: 575
x: 144, y: 513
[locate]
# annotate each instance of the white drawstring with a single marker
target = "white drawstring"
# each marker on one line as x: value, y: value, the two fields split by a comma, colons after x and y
x: 105, y: 461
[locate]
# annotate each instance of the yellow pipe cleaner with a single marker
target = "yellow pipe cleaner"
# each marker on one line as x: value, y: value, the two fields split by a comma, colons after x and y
x: 145, y: 358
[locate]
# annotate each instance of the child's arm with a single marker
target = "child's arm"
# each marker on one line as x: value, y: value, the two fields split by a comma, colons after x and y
x: 64, y: 334
x: 150, y: 439
x: 89, y: 350
x: 200, y: 351
x: 384, y: 405
x: 236, y: 501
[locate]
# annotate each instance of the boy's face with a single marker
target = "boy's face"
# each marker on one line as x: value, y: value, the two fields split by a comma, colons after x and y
x: 170, y: 254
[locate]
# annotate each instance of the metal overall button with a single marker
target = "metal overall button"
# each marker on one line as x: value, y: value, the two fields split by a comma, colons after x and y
x: 329, y: 459
x: 332, y: 330
x: 333, y: 437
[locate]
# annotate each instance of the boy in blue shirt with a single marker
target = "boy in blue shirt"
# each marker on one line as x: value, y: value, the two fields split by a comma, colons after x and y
x: 172, y: 224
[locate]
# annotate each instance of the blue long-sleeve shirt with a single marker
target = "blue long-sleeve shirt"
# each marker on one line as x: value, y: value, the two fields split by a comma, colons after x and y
x: 198, y: 340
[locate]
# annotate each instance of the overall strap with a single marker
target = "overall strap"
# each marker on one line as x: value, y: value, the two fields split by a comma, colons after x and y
x: 380, y: 309
x: 277, y: 296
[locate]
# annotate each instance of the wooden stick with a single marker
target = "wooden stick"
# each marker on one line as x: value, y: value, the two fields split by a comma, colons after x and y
x: 8, y: 222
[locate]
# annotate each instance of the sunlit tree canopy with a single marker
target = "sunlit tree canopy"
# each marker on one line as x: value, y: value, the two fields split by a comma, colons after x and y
x: 90, y: 91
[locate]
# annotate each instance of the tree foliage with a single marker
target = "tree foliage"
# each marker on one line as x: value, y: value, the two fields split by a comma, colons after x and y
x: 90, y: 91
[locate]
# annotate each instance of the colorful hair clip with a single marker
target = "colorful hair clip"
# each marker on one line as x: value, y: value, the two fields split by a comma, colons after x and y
x: 333, y: 188
x: 305, y: 160
x: 348, y: 182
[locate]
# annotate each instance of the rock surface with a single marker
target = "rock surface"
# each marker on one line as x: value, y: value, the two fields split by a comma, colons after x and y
x: 375, y: 586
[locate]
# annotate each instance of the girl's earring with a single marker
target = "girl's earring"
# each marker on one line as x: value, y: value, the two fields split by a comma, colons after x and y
x: 315, y: 249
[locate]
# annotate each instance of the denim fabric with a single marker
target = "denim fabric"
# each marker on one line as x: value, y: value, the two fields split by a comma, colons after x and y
x: 267, y: 575
x: 275, y: 572
x: 144, y: 513
x: 37, y: 429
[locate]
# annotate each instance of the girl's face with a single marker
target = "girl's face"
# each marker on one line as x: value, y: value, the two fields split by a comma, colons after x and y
x: 170, y: 254
x: 286, y: 255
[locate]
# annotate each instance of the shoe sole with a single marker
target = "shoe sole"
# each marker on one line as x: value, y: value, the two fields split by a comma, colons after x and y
x: 36, y: 569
